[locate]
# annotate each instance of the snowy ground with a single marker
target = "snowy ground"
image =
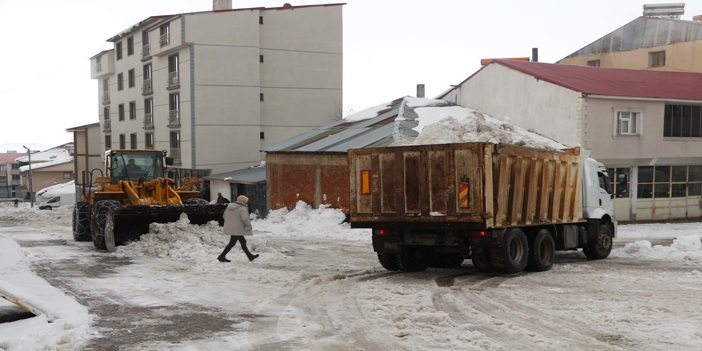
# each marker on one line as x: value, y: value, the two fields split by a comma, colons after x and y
x: 318, y: 286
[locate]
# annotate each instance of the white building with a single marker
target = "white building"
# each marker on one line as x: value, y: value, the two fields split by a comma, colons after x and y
x: 213, y: 88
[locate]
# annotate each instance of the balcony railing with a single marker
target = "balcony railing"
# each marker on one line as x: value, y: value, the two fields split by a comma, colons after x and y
x: 165, y: 39
x: 174, y: 118
x: 146, y: 51
x: 173, y: 81
x: 148, y: 121
x: 147, y: 87
x: 105, y: 97
x: 175, y: 153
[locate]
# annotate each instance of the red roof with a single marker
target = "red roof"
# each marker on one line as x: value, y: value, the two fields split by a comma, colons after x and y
x: 614, y: 81
x: 10, y: 157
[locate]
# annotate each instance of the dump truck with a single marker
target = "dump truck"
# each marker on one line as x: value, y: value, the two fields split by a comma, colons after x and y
x: 505, y: 207
x: 119, y: 202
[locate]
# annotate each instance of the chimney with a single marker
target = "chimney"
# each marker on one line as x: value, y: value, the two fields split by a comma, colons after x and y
x: 420, y: 90
x: 218, y: 5
x: 534, y: 54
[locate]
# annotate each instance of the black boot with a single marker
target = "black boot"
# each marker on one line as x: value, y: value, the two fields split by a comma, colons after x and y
x: 253, y: 257
x: 222, y: 259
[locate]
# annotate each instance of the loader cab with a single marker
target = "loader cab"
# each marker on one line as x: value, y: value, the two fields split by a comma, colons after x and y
x: 134, y: 165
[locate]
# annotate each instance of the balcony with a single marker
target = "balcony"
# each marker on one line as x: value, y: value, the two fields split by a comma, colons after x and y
x: 105, y: 97
x: 147, y: 87
x: 174, y: 118
x: 146, y: 52
x: 148, y: 121
x: 173, y: 80
x: 107, y: 126
x: 175, y: 153
x: 165, y: 39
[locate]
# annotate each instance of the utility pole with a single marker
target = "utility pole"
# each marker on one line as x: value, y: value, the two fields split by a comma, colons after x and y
x: 31, y: 193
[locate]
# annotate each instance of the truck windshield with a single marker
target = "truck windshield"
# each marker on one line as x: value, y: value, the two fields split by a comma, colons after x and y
x: 132, y: 165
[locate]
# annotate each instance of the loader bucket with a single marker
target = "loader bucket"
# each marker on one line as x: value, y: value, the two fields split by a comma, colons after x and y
x: 129, y: 223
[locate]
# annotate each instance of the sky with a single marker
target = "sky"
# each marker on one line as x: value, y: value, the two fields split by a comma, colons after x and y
x: 389, y: 48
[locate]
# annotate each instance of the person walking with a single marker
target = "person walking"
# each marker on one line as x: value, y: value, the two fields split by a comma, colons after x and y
x: 221, y: 199
x: 237, y: 224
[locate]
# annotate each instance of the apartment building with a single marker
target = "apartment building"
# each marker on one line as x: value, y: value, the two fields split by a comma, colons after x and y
x: 10, y: 178
x: 214, y: 88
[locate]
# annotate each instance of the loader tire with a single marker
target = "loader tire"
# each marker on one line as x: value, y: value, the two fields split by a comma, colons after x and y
x: 99, y: 221
x: 542, y: 250
x: 602, y: 246
x: 196, y: 201
x: 481, y: 258
x: 512, y: 255
x: 413, y: 259
x: 388, y: 261
x: 81, y: 222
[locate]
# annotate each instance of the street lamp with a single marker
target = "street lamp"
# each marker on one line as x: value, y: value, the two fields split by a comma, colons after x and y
x: 31, y: 193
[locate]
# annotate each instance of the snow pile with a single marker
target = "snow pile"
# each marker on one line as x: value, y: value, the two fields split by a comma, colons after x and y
x: 24, y: 214
x: 684, y: 248
x: 305, y: 221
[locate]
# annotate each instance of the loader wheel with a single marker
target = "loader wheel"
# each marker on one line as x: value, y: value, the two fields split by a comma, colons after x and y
x: 542, y: 249
x: 512, y: 256
x: 196, y: 201
x: 388, y: 261
x: 81, y: 222
x: 413, y: 259
x: 602, y: 246
x: 99, y: 220
x: 481, y: 258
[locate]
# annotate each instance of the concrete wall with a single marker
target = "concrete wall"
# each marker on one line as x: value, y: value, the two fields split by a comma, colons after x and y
x: 313, y: 178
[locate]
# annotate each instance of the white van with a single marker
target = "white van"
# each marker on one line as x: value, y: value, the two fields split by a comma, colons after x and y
x: 56, y: 201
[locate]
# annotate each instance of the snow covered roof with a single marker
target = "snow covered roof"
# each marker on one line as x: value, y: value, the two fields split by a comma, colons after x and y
x: 611, y: 81
x: 252, y: 175
x: 51, y: 157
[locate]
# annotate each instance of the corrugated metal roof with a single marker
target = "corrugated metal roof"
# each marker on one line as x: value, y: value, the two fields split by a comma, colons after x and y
x: 614, y: 81
x: 644, y: 32
x: 253, y: 175
x: 348, y: 134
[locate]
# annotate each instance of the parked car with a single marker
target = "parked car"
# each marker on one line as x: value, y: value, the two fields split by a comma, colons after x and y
x: 56, y: 201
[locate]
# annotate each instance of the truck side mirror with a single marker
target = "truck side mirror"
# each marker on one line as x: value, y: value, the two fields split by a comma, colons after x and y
x: 169, y: 161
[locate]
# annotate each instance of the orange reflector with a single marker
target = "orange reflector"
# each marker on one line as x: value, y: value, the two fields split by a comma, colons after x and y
x: 463, y: 195
x: 365, y: 182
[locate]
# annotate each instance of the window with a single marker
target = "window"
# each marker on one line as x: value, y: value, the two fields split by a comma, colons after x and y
x: 165, y: 32
x: 175, y: 146
x: 669, y: 181
x: 656, y: 59
x: 593, y: 63
x: 106, y: 113
x: 262, y: 135
x: 120, y: 81
x: 131, y: 78
x: 260, y: 19
x: 98, y: 64
x: 147, y: 88
x: 260, y: 58
x: 132, y: 110
x: 148, y: 114
x: 130, y: 46
x: 261, y: 97
x: 108, y: 142
x: 132, y: 141
x: 16, y: 177
x: 173, y: 107
x: 121, y: 112
x: 628, y: 122
x: 67, y: 175
x: 146, y: 47
x: 149, y: 140
x: 118, y: 50
x: 173, y: 71
x: 122, y: 142
x: 619, y: 177
x: 682, y: 121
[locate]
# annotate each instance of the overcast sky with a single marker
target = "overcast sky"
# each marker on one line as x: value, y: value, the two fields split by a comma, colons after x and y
x: 389, y: 47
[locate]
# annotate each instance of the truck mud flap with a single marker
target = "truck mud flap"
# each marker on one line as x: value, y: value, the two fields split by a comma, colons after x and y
x: 129, y: 223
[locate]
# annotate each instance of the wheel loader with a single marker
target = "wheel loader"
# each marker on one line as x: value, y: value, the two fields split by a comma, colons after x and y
x: 132, y: 192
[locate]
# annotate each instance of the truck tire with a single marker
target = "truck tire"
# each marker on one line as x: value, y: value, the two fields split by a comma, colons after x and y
x: 542, y: 249
x: 388, y: 261
x: 602, y: 246
x: 99, y: 221
x: 413, y: 259
x: 512, y: 256
x: 481, y: 258
x: 81, y: 222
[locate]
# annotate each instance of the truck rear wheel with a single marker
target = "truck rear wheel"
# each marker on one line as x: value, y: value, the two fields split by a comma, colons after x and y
x: 388, y: 261
x: 81, y: 222
x: 512, y: 256
x: 413, y: 259
x: 481, y: 258
x: 99, y: 220
x: 542, y: 249
x: 602, y: 246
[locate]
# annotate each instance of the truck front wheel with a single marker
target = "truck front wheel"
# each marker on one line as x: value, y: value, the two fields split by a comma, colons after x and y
x: 542, y: 249
x: 413, y: 259
x: 602, y: 246
x: 388, y: 261
x: 512, y: 256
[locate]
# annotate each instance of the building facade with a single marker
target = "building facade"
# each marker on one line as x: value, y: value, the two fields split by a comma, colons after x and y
x: 214, y: 88
x: 646, y: 126
x: 10, y: 177
x: 646, y: 43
